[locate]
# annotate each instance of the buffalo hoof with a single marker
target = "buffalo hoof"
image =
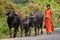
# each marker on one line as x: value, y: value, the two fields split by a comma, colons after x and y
x: 41, y: 33
x: 21, y: 36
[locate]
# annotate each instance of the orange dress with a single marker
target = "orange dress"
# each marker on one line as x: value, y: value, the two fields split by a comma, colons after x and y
x: 48, y: 21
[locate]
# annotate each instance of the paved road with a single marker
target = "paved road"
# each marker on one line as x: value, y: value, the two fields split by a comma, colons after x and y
x: 53, y: 36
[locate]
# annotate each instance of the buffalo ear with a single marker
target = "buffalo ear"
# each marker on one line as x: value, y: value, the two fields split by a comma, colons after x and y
x: 7, y: 14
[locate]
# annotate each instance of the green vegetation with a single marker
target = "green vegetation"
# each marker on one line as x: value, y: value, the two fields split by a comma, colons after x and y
x: 25, y: 7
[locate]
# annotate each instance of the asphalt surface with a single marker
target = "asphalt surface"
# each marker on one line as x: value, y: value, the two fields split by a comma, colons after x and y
x: 53, y: 36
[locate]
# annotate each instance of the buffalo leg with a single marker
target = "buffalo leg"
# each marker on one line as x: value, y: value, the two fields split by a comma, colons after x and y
x: 26, y: 32
x: 15, y: 32
x: 38, y: 29
x: 35, y: 30
x: 30, y: 31
x: 21, y: 32
x: 10, y: 32
x: 41, y: 29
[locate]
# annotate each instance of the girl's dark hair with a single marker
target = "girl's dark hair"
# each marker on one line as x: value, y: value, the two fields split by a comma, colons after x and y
x: 48, y: 5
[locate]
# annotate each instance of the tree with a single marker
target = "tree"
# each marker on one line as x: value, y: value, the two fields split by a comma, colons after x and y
x: 58, y: 1
x: 20, y: 1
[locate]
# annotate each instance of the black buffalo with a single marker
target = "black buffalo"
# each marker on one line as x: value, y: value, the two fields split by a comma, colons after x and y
x: 37, y: 18
x: 25, y: 25
x: 13, y: 21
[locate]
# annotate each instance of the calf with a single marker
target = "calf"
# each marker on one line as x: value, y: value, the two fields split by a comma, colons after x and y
x: 25, y: 25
